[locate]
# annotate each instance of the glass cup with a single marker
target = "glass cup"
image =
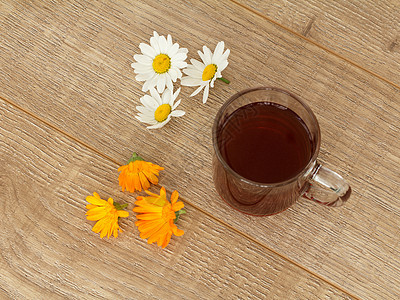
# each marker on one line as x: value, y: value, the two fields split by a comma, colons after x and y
x: 313, y: 181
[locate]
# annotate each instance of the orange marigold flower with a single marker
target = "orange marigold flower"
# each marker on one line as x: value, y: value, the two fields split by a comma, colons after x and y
x: 138, y: 174
x: 106, y: 213
x: 157, y: 215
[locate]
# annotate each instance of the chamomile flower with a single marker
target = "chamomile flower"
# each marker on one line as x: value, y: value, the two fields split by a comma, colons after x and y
x: 204, y: 74
x: 157, y: 110
x: 160, y: 63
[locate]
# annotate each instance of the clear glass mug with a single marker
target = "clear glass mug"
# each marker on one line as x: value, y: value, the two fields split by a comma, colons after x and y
x: 313, y: 182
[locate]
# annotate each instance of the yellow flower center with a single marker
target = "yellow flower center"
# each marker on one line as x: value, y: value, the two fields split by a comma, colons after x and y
x: 162, y: 112
x: 209, y: 72
x: 161, y: 63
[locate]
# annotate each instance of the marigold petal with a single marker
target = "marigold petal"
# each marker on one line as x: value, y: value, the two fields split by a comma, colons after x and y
x: 149, y: 209
x: 162, y: 234
x: 156, y: 167
x: 174, y: 197
x: 122, y: 213
x: 103, y: 232
x: 163, y: 193
x: 96, y: 214
x: 151, y: 231
x: 96, y: 200
x: 149, y: 216
x: 113, y: 230
x: 95, y: 217
x: 159, y: 201
x: 170, y: 216
x: 176, y: 231
x: 148, y: 225
x: 91, y: 206
x: 151, y: 176
x: 151, y: 194
x: 178, y: 206
x: 144, y: 182
x: 99, y: 225
x: 167, y: 240
x: 122, y: 168
x: 136, y: 182
x: 122, y: 181
x: 159, y: 235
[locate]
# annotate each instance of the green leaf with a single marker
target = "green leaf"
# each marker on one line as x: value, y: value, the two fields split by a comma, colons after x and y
x: 135, y: 157
x: 178, y: 214
x: 120, y: 206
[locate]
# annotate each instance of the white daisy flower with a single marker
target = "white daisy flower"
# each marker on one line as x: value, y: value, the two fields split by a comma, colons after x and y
x: 204, y: 74
x: 160, y: 63
x: 158, y: 109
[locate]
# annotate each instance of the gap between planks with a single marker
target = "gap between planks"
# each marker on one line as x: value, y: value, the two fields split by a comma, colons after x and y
x: 187, y: 202
x: 330, y: 51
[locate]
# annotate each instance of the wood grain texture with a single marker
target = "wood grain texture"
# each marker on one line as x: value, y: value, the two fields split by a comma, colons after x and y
x: 366, y: 32
x: 48, y: 250
x: 69, y: 64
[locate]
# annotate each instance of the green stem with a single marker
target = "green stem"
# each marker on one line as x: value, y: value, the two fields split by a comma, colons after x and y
x: 224, y: 80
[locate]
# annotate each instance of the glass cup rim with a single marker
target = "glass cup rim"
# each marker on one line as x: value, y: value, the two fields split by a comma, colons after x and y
x: 312, y: 161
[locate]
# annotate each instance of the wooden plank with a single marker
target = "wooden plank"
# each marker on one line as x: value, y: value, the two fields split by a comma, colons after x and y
x: 49, y: 251
x: 365, y: 32
x: 86, y: 87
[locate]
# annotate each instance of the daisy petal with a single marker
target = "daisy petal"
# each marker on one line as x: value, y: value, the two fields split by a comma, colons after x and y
x: 226, y: 54
x: 149, y: 84
x: 178, y: 57
x: 166, y: 96
x: 202, y: 56
x: 161, y: 83
x: 218, y: 50
x: 173, y: 50
x: 205, y: 94
x: 163, y: 44
x: 154, y: 43
x: 198, y: 65
x: 176, y: 104
x: 170, y: 86
x: 156, y: 97
x: 177, y: 113
x: 169, y: 41
x: 173, y: 74
x: 143, y: 76
x: 197, y: 91
x: 142, y: 59
x: 175, y: 95
x: 207, y: 55
x: 151, y: 102
x: 180, y: 64
x: 188, y: 81
x: 194, y: 73
x: 147, y: 50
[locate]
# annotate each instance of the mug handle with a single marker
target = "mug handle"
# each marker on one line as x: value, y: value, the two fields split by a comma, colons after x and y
x: 326, y: 187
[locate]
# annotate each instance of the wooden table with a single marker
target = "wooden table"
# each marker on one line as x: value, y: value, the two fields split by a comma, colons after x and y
x: 67, y: 107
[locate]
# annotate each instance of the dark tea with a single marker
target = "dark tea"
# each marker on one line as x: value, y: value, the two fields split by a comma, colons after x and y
x: 265, y: 142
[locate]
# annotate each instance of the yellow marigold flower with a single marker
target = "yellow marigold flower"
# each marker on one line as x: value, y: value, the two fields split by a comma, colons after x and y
x: 157, y: 215
x: 138, y: 174
x: 106, y: 213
